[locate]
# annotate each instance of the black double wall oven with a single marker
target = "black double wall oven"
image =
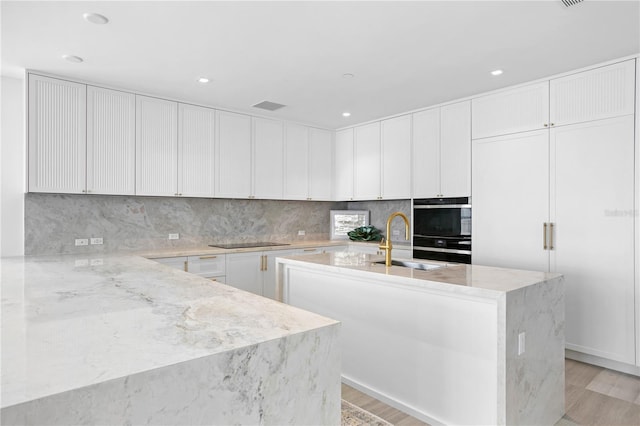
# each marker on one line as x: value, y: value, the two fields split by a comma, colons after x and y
x: 442, y: 229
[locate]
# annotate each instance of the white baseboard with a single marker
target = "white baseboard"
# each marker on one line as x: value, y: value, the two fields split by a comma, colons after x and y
x: 603, y: 362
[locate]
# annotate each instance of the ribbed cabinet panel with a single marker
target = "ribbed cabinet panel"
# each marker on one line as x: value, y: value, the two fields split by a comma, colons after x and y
x: 343, y: 159
x: 111, y: 141
x: 512, y: 111
x: 426, y: 153
x: 296, y: 162
x: 156, y: 146
x: 196, y: 149
x: 396, y: 157
x: 604, y: 92
x: 320, y: 164
x: 57, y: 135
x: 233, y: 155
x: 367, y: 162
x: 268, y: 158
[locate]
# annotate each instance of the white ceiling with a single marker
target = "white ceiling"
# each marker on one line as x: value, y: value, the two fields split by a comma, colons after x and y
x: 405, y: 55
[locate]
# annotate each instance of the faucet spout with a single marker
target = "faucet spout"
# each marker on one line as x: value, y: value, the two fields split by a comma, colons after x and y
x: 385, y: 244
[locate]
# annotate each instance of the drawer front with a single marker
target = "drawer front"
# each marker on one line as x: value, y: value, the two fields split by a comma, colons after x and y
x: 175, y: 262
x: 207, y: 265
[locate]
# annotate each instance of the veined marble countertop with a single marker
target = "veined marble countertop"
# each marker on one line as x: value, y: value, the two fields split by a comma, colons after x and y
x: 69, y: 323
x: 478, y: 280
x: 197, y: 251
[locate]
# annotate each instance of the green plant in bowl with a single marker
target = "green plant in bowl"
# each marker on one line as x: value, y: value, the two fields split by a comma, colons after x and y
x: 365, y: 233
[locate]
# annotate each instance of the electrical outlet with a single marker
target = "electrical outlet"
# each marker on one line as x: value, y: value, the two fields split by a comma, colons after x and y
x: 96, y: 241
x: 82, y: 242
x: 174, y: 236
x: 82, y: 262
x: 521, y: 343
x: 395, y: 233
x: 96, y: 262
x: 301, y: 232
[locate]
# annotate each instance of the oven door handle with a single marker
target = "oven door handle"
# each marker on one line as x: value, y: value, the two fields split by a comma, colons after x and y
x: 443, y: 206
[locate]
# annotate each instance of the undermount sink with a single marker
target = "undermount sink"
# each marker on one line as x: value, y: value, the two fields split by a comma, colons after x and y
x: 413, y: 265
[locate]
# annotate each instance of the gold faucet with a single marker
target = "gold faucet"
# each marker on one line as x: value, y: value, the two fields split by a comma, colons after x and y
x: 386, y: 244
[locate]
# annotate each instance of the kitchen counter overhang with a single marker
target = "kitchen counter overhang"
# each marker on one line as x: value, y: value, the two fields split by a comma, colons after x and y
x: 116, y: 339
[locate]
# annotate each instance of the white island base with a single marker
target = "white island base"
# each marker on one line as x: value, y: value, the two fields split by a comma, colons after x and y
x: 441, y: 345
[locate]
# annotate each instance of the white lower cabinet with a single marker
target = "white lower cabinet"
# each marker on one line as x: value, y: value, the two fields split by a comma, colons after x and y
x: 211, y: 267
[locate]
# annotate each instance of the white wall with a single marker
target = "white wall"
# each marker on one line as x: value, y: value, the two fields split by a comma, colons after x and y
x: 12, y: 167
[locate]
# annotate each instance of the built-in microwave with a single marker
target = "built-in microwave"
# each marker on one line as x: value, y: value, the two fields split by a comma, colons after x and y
x: 442, y: 229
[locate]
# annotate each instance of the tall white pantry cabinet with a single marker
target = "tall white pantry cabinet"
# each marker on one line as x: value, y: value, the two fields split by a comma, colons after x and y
x: 553, y: 190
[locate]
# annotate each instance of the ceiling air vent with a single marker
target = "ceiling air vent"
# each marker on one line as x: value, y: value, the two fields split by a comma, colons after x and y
x: 571, y: 2
x: 269, y: 106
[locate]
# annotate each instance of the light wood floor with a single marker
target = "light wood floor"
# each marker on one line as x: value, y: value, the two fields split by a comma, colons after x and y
x: 593, y: 396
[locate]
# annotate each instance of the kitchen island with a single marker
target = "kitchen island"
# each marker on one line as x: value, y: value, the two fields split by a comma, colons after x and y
x: 462, y: 344
x: 125, y: 340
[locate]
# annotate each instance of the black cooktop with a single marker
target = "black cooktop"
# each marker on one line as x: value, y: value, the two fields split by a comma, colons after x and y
x: 247, y: 245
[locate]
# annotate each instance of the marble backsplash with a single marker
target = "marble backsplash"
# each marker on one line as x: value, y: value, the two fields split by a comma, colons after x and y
x: 379, y: 212
x: 130, y: 223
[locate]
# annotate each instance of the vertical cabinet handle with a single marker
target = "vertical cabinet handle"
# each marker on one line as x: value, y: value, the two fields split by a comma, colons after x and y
x: 544, y: 236
x: 551, y: 236
x: 186, y: 266
x: 266, y: 266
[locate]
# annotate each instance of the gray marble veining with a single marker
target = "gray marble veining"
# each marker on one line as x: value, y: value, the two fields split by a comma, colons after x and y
x: 129, y: 223
x: 125, y: 340
x: 379, y: 212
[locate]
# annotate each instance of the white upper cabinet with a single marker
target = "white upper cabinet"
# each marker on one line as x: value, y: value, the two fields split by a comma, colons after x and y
x: 343, y: 155
x: 396, y: 157
x: 455, y: 150
x: 320, y: 164
x: 600, y: 93
x: 156, y: 146
x: 268, y: 158
x: 511, y: 111
x: 426, y: 153
x: 442, y: 151
x: 367, y: 162
x: 233, y: 155
x: 296, y: 176
x: 196, y: 149
x: 57, y: 135
x: 111, y: 141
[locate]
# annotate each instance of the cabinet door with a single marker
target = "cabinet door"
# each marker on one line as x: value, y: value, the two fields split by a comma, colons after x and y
x: 367, y: 162
x: 592, y: 207
x: 343, y: 154
x: 511, y: 201
x: 296, y: 175
x: 269, y: 272
x: 244, y: 271
x: 156, y: 146
x: 268, y: 155
x: 455, y: 150
x: 111, y: 141
x: 233, y: 155
x: 600, y: 93
x: 196, y: 149
x: 396, y: 157
x: 207, y: 265
x: 320, y: 164
x: 512, y: 111
x: 426, y: 153
x: 57, y: 135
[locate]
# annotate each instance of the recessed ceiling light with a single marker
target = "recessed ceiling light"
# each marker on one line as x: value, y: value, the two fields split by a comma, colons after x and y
x: 496, y: 72
x: 95, y: 18
x: 347, y: 75
x: 203, y: 80
x: 72, y: 58
x: 346, y: 114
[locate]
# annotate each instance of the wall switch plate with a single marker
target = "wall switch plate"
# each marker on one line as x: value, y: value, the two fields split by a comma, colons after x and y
x: 521, y: 343
x: 174, y: 236
x: 301, y: 232
x: 82, y: 242
x: 82, y: 262
x: 395, y: 233
x: 97, y: 241
x: 96, y: 262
